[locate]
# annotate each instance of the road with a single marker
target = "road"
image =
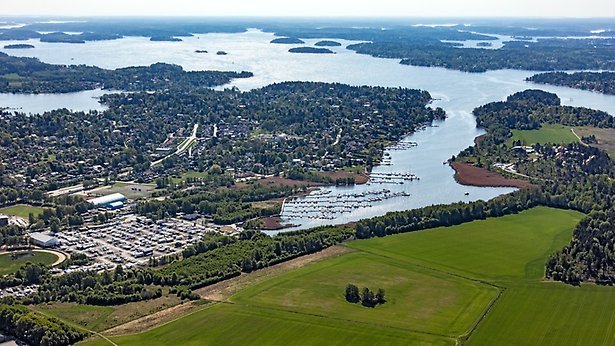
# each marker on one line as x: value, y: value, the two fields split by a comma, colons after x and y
x: 183, y: 146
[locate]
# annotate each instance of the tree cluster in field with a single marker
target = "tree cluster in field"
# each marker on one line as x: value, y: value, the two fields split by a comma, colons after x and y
x: 602, y: 82
x: 36, y: 329
x: 366, y: 297
x: 29, y: 75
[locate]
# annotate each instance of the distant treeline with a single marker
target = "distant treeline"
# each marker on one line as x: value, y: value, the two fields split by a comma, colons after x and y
x: 29, y: 75
x: 602, y: 82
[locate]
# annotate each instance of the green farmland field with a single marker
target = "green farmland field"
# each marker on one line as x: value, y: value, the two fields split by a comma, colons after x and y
x: 479, y: 283
x: 557, y: 134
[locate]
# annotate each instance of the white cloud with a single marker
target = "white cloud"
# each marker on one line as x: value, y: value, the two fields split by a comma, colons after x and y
x: 396, y: 8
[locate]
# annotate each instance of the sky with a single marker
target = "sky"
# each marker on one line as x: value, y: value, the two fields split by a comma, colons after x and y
x: 313, y: 8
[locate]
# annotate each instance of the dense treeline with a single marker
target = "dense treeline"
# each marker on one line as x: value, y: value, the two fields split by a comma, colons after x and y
x: 590, y: 255
x: 29, y: 75
x: 603, y: 82
x: 253, y: 250
x: 36, y: 329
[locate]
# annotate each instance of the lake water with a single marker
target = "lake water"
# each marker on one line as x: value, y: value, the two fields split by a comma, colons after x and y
x: 39, y: 103
x: 457, y: 92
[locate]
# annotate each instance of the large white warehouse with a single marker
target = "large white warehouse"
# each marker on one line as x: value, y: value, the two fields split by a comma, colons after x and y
x: 108, y: 199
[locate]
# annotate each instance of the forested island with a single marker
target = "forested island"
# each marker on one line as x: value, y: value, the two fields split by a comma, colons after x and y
x: 29, y: 75
x: 18, y: 46
x: 311, y: 50
x: 287, y: 40
x: 327, y: 43
x: 165, y: 39
x: 602, y: 82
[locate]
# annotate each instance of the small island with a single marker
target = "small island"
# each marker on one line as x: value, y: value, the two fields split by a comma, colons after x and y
x: 484, y: 44
x: 201, y: 51
x: 165, y: 39
x: 311, y: 50
x: 326, y: 43
x: 287, y: 40
x: 221, y: 52
x: 18, y: 46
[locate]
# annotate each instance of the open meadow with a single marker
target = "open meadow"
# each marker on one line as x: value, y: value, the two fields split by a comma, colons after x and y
x: 547, y: 133
x: 475, y: 283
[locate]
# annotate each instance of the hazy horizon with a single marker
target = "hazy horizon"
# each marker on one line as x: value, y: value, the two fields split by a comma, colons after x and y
x: 436, y: 9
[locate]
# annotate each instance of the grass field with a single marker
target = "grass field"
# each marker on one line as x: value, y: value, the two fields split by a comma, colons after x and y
x: 130, y: 190
x: 605, y: 138
x: 9, y: 265
x: 480, y: 281
x: 21, y: 210
x: 99, y: 318
x: 557, y: 134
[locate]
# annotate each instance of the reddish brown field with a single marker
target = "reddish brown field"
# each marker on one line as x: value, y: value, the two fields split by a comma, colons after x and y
x: 358, y: 178
x: 467, y: 174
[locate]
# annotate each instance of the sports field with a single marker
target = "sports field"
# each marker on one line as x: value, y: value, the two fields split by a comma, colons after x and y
x: 475, y: 283
x: 10, y: 264
x: 21, y: 210
x: 556, y: 134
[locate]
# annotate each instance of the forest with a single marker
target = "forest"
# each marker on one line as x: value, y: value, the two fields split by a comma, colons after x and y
x: 29, y: 75
x: 602, y: 82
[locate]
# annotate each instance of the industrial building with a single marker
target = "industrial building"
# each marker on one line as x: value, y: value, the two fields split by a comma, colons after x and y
x: 109, y: 201
x: 43, y: 240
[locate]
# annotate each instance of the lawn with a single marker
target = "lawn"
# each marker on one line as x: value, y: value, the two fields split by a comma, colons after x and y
x: 548, y: 133
x: 22, y: 210
x: 481, y: 281
x: 9, y: 265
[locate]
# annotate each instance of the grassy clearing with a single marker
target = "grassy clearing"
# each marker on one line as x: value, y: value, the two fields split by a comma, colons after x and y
x: 130, y: 190
x: 439, y: 285
x: 605, y: 138
x: 99, y: 318
x: 9, y: 265
x: 22, y: 210
x: 548, y: 133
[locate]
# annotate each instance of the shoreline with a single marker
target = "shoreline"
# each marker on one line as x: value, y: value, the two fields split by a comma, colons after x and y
x: 469, y: 175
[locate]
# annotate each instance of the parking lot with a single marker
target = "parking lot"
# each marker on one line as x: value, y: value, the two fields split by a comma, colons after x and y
x: 131, y: 240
